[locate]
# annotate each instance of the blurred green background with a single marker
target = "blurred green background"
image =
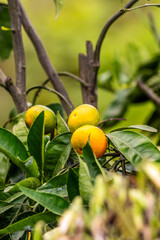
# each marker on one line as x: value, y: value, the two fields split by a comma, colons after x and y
x: 129, y: 40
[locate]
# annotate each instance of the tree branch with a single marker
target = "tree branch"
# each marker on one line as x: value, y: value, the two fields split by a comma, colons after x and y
x: 148, y: 91
x: 19, y: 54
x: 106, y: 28
x: 44, y: 59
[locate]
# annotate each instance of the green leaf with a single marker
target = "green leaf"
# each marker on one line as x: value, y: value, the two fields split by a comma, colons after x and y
x: 13, y: 148
x: 31, y: 182
x: 5, y: 36
x: 91, y: 161
x: 28, y: 222
x: 4, y: 163
x: 53, y: 203
x: 72, y: 184
x: 57, y: 152
x: 134, y: 146
x: 58, y: 5
x: 36, y: 141
x: 4, y: 206
x: 56, y: 107
x: 85, y: 183
x: 32, y: 167
x: 140, y: 127
x: 56, y: 185
x: 62, y: 126
x: 20, y: 129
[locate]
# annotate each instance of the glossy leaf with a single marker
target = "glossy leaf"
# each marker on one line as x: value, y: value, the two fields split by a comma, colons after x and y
x: 134, y: 146
x: 72, y: 184
x: 36, y: 141
x: 4, y: 206
x: 31, y: 182
x: 57, y: 152
x: 140, y: 127
x: 32, y: 167
x: 62, y: 127
x: 13, y: 148
x: 56, y: 185
x: 53, y: 203
x: 94, y: 166
x: 85, y: 183
x: 5, y: 36
x: 28, y: 222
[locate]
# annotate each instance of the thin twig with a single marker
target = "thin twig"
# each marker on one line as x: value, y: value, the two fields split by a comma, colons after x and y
x: 142, y: 6
x: 44, y: 60
x: 148, y: 91
x: 68, y: 74
x: 108, y: 161
x: 106, y: 28
x: 111, y: 119
x: 53, y: 91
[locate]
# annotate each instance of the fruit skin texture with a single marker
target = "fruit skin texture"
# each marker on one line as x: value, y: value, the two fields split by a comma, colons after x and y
x: 49, y: 117
x: 96, y: 137
x: 84, y: 114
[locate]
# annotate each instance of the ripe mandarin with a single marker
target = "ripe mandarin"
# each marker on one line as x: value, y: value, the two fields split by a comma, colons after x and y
x: 96, y: 137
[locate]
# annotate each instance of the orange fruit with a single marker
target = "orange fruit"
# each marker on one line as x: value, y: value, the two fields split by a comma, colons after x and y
x: 84, y: 114
x: 96, y: 137
x: 49, y: 117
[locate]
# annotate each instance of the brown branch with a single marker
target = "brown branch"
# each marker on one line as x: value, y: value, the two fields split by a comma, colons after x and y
x: 44, y: 59
x: 19, y: 56
x: 148, y: 91
x: 106, y: 28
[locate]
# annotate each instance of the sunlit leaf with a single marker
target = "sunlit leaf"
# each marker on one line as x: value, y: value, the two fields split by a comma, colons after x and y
x: 134, y: 146
x: 85, y: 183
x: 53, y: 203
x: 58, y: 5
x: 140, y: 127
x: 62, y: 126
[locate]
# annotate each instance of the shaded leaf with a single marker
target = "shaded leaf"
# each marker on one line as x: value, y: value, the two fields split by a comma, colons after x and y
x: 5, y: 36
x: 53, y: 203
x: 36, y: 141
x: 56, y: 107
x: 4, y: 206
x: 72, y: 184
x: 57, y: 152
x: 85, y: 183
x: 134, y: 146
x: 28, y: 222
x: 56, y: 185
